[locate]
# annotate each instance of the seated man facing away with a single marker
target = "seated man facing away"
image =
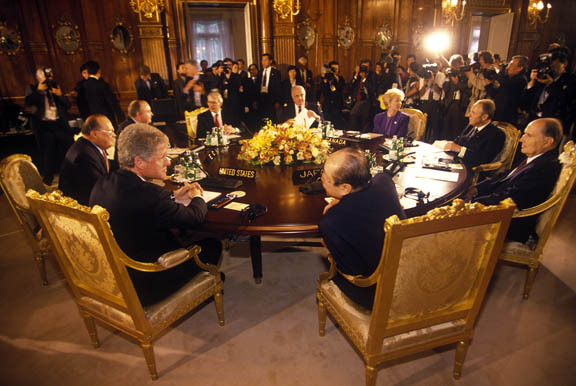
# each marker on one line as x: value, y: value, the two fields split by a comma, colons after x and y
x: 86, y: 161
x: 216, y: 116
x: 532, y: 180
x: 300, y: 112
x: 353, y: 223
x: 480, y: 142
x: 144, y: 216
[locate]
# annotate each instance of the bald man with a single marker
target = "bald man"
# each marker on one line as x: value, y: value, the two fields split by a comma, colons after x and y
x: 352, y: 226
x: 532, y: 180
x: 300, y: 112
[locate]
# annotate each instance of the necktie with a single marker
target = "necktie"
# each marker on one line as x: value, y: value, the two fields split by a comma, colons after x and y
x: 216, y: 120
x: 105, y: 155
x: 299, y: 109
x: 518, y: 168
x: 264, y: 77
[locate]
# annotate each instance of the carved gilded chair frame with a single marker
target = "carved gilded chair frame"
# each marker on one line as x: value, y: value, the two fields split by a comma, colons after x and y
x: 376, y: 334
x: 549, y: 212
x: 21, y: 208
x: 112, y: 299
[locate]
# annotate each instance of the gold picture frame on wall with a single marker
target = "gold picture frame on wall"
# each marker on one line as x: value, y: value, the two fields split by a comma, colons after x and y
x: 306, y: 34
x: 384, y: 37
x: 67, y: 37
x: 121, y: 37
x: 345, y: 34
x: 10, y: 40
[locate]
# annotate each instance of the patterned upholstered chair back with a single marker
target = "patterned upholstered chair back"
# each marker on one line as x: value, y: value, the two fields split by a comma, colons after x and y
x: 417, y: 124
x: 549, y: 211
x: 96, y: 270
x: 85, y: 248
x: 191, y: 118
x: 430, y: 283
x: 504, y: 159
x: 17, y: 175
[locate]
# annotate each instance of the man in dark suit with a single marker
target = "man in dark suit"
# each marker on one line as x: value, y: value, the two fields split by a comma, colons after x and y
x: 480, y: 142
x: 80, y: 97
x: 300, y: 112
x: 270, y: 81
x: 150, y: 86
x: 50, y: 122
x: 99, y: 96
x: 352, y: 226
x: 532, y: 180
x: 86, y: 161
x: 511, y: 90
x: 145, y: 217
x: 139, y: 111
x: 304, y: 78
x: 216, y: 116
x: 364, y: 95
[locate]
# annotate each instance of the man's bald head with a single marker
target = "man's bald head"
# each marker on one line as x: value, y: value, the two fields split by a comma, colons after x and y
x: 348, y: 166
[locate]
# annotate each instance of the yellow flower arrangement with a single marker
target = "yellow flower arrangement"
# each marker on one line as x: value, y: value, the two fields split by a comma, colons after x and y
x: 284, y: 144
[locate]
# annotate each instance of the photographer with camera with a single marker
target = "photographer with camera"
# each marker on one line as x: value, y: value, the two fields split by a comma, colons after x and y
x: 480, y: 74
x: 50, y: 121
x: 431, y: 84
x: 332, y: 86
x: 363, y: 96
x: 509, y: 89
x: 551, y: 91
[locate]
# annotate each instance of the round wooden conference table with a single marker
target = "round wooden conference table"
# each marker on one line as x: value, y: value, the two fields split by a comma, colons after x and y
x: 293, y: 213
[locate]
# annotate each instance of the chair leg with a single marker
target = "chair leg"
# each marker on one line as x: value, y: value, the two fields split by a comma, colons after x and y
x: 321, y: 318
x: 371, y: 374
x: 148, y: 350
x: 39, y: 257
x: 530, y: 276
x: 219, y: 308
x: 461, y: 351
x: 91, y: 327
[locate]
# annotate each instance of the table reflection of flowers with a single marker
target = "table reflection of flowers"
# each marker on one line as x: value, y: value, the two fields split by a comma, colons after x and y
x: 284, y: 144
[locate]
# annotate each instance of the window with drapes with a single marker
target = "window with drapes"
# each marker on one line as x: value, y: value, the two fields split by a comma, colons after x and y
x: 211, y: 39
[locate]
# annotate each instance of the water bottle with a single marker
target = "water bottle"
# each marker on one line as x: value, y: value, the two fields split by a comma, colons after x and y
x: 394, y: 149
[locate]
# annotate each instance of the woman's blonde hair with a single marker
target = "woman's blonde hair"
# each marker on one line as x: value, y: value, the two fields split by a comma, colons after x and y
x: 388, y: 95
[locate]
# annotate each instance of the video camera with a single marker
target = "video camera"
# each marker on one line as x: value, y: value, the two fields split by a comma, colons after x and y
x: 48, y: 74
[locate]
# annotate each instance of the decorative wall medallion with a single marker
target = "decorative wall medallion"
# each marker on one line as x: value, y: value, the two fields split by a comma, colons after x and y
x: 306, y: 34
x: 121, y: 37
x: 346, y: 34
x: 417, y: 36
x: 384, y: 36
x: 10, y: 40
x: 67, y: 37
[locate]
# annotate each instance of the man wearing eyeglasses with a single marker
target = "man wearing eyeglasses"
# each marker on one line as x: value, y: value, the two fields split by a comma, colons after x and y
x: 86, y: 160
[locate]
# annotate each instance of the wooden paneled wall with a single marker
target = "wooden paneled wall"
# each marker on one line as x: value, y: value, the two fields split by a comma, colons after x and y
x: 162, y: 43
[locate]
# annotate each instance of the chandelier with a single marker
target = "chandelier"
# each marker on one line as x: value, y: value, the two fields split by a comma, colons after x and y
x: 536, y: 14
x: 285, y: 8
x: 453, y: 10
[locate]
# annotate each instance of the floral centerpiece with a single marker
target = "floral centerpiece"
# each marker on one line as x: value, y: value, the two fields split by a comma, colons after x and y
x: 284, y: 144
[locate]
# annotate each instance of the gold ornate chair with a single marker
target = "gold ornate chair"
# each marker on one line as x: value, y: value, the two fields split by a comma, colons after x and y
x: 504, y: 160
x: 95, y: 268
x: 530, y: 255
x: 417, y: 124
x: 17, y: 175
x: 191, y: 118
x: 428, y: 293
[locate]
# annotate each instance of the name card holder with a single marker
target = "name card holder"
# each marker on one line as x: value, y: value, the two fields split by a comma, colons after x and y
x: 237, y: 173
x: 302, y: 176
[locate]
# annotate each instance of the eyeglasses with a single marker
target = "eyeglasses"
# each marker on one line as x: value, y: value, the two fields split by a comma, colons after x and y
x: 107, y: 131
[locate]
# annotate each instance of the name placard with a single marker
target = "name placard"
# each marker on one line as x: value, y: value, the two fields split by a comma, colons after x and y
x: 239, y: 173
x: 337, y: 141
x: 301, y: 176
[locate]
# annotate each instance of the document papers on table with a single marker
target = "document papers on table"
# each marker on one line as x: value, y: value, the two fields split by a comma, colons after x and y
x: 207, y: 196
x: 437, y: 175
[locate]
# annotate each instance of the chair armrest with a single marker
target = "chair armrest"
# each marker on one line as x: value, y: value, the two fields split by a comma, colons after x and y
x: 324, y: 277
x: 487, y: 167
x: 534, y: 210
x: 360, y: 281
x: 169, y: 260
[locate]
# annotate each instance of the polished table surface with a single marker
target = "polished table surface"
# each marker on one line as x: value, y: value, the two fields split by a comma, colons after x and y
x: 291, y: 212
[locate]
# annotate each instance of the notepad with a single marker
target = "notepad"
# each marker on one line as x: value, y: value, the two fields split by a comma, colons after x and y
x: 207, y: 196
